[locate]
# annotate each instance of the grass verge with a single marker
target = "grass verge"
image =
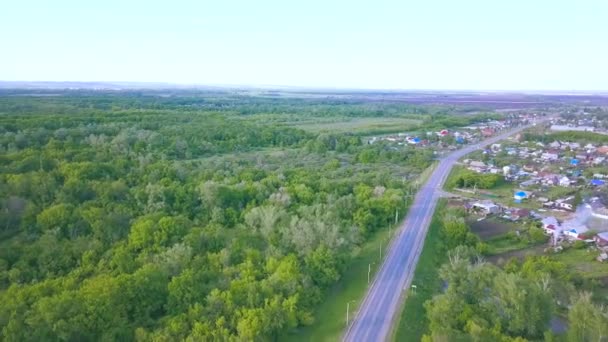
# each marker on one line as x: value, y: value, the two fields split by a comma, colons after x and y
x: 413, y: 323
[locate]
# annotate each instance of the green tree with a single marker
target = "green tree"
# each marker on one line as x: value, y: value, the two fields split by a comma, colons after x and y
x: 587, y: 322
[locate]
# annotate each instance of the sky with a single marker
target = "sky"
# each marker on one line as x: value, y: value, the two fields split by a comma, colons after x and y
x: 379, y: 44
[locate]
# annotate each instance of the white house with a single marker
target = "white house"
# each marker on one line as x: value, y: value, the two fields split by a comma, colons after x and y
x: 555, y: 144
x: 574, y: 229
x: 549, y: 156
x: 602, y: 239
x: 487, y: 207
x: 572, y: 128
x: 550, y: 224
x: 565, y: 203
x: 564, y: 181
x: 478, y: 165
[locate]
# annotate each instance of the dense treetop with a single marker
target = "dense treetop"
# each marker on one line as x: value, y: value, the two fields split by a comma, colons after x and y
x: 132, y: 217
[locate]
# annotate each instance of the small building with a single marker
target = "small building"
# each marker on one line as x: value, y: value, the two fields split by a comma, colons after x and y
x: 575, y: 230
x: 565, y: 203
x: 521, y: 195
x: 555, y: 144
x: 601, y: 239
x: 550, y: 224
x: 478, y: 166
x: 519, y: 213
x: 602, y: 149
x: 562, y: 128
x: 487, y: 207
x: 564, y: 181
x: 549, y: 156
x: 528, y: 183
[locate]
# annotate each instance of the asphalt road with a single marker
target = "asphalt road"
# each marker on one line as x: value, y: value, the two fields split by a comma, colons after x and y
x: 373, y: 320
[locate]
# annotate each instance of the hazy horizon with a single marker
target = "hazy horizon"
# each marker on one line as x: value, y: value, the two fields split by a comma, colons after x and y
x: 388, y: 45
x: 133, y: 85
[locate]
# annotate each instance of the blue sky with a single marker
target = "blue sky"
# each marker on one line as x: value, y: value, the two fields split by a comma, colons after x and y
x: 430, y: 44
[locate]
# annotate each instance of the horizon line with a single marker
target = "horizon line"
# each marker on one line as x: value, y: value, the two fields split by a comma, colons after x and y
x: 156, y: 85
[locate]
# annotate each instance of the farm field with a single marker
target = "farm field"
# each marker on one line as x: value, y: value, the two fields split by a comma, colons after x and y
x: 358, y: 125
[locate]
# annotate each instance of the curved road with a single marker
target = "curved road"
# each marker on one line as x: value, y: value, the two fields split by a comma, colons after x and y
x: 376, y: 314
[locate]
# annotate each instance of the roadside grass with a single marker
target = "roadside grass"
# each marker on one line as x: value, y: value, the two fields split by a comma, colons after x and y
x: 413, y: 323
x: 424, y: 175
x: 330, y: 316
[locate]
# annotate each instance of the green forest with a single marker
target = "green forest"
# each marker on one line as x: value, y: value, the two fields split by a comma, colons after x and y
x: 131, y: 216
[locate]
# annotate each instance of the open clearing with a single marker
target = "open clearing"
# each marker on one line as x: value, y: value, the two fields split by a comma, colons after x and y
x: 357, y: 125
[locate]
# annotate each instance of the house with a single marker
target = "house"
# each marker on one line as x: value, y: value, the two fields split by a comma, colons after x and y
x: 487, y: 132
x: 562, y: 128
x: 519, y: 213
x: 521, y: 195
x: 529, y: 168
x: 548, y: 204
x: 527, y: 183
x: 549, y: 156
x: 555, y: 144
x: 574, y: 229
x: 602, y: 149
x: 550, y: 224
x: 565, y: 203
x: 564, y: 181
x: 494, y: 170
x: 598, y: 209
x: 487, y: 207
x: 477, y: 166
x: 601, y: 239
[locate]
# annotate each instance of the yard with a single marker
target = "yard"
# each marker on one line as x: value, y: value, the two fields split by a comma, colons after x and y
x: 490, y: 227
x: 580, y: 261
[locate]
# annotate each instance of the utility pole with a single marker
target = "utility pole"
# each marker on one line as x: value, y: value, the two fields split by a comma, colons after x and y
x: 347, y: 311
x: 396, y: 215
x: 369, y: 272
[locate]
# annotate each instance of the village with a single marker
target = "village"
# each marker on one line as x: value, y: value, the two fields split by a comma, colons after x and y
x: 444, y: 140
x: 559, y: 186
